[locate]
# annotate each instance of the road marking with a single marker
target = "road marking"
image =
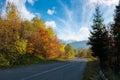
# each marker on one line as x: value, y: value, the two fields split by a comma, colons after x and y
x: 26, y: 78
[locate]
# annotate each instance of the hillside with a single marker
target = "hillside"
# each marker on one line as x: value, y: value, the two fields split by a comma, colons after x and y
x: 76, y: 44
x: 80, y: 44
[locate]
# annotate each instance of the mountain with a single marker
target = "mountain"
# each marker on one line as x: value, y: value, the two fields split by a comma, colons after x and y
x: 67, y: 42
x: 76, y: 44
x: 79, y: 44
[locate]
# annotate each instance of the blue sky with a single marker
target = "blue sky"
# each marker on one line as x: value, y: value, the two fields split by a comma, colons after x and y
x: 70, y: 19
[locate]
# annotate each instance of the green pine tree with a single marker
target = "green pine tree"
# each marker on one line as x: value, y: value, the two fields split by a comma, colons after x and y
x: 116, y: 33
x: 116, y: 27
x: 99, y: 37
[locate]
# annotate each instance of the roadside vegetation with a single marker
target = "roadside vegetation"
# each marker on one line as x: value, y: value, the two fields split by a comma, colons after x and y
x: 104, y: 42
x: 92, y: 69
x: 24, y: 42
x: 111, y: 75
x: 84, y: 53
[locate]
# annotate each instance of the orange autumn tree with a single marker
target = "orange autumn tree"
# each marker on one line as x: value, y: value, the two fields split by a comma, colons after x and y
x: 43, y: 40
x: 54, y: 45
x: 35, y: 40
x: 49, y: 43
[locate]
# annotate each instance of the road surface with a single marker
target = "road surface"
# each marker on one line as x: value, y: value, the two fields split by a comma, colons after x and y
x: 69, y: 70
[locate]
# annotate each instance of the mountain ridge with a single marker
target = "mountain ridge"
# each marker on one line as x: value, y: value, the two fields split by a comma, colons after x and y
x: 76, y: 44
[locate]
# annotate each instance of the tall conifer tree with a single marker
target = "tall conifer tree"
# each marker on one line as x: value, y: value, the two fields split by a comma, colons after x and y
x: 98, y: 37
x: 116, y: 34
x: 116, y: 27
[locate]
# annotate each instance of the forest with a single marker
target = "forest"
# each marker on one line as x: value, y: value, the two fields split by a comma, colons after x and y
x: 105, y: 40
x: 28, y: 42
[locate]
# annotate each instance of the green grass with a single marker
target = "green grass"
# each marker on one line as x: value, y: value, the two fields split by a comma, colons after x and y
x: 92, y: 71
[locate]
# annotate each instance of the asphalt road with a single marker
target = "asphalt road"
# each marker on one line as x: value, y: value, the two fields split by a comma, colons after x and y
x: 69, y: 70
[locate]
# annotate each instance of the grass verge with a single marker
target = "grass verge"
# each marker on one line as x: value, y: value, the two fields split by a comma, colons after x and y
x: 92, y: 71
x: 111, y: 75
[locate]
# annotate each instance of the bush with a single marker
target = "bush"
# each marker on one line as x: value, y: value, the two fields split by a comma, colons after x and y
x: 69, y: 51
x: 84, y: 53
x: 28, y: 59
x: 3, y: 61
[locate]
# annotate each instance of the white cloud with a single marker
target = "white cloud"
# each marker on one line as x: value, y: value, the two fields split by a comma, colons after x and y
x: 68, y: 13
x: 51, y: 11
x: 31, y: 1
x: 38, y: 15
x: 20, y: 4
x: 105, y: 2
x: 107, y: 7
x: 71, y: 24
x: 51, y: 24
x: 84, y: 33
x: 80, y: 35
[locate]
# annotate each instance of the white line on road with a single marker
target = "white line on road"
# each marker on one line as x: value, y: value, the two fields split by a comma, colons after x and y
x: 37, y: 74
